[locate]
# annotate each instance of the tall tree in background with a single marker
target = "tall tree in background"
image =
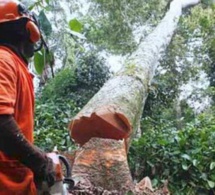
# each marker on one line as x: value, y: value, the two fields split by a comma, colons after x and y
x: 114, y: 112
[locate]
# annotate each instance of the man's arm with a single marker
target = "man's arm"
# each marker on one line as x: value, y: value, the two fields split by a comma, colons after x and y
x: 15, y: 145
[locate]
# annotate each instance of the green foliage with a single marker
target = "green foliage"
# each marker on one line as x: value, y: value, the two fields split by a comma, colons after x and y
x: 41, y: 59
x: 185, y: 158
x: 91, y: 71
x: 62, y: 86
x: 111, y: 23
x: 39, y: 62
x: 79, y: 83
x: 107, y: 38
x: 208, y: 2
x: 45, y: 24
x: 62, y: 98
x: 182, y: 63
x: 205, y: 22
x: 75, y: 25
x: 173, y: 71
x: 51, y: 124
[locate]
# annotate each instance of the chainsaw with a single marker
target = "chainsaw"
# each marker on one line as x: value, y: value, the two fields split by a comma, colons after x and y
x: 64, y: 181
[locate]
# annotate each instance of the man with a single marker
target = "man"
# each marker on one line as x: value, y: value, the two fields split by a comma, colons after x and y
x: 22, y: 165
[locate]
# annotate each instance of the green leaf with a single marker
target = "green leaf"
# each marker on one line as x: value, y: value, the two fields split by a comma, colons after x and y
x: 204, y: 176
x: 46, y: 26
x: 154, y: 182
x: 39, y: 62
x: 208, y: 2
x: 185, y: 156
x: 212, y: 165
x: 211, y: 184
x: 195, y: 162
x: 162, y: 142
x: 192, y: 184
x: 185, y: 167
x: 150, y: 164
x: 42, y: 58
x: 47, y: 1
x: 75, y: 25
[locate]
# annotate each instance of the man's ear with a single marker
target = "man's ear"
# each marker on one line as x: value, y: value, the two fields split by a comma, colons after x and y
x: 33, y: 30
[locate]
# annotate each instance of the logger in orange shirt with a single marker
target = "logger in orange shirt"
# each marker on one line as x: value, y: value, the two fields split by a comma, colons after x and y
x: 22, y: 165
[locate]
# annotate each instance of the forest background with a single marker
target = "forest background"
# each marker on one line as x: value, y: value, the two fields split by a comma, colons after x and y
x: 175, y: 141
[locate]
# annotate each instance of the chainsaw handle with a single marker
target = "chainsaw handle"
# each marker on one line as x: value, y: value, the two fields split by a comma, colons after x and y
x: 66, y: 163
x: 68, y: 177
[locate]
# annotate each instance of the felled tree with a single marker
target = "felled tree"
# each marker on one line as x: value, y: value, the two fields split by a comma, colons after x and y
x: 113, y: 114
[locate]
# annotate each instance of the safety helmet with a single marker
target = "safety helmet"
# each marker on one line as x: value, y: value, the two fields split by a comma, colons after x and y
x: 12, y: 10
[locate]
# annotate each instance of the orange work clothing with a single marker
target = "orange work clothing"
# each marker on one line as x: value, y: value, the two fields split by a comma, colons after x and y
x: 17, y: 99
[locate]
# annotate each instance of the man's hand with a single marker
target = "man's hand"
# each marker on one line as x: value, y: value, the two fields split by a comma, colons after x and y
x: 46, y: 177
x: 53, y: 174
x: 57, y: 166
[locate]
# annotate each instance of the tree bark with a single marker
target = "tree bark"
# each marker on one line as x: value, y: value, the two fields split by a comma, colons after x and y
x: 99, y: 162
x: 115, y: 111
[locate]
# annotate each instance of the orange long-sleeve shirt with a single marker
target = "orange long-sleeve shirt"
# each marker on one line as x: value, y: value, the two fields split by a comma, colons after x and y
x: 17, y: 99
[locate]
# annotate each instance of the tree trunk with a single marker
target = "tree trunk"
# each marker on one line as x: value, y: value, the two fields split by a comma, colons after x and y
x: 99, y: 162
x: 115, y: 111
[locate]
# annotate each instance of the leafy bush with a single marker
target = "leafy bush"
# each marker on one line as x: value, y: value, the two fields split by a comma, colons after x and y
x: 61, y: 86
x: 51, y: 124
x: 185, y: 158
x: 80, y: 83
x: 91, y: 73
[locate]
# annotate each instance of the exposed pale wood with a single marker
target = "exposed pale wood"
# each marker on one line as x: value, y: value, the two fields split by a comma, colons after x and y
x: 103, y: 163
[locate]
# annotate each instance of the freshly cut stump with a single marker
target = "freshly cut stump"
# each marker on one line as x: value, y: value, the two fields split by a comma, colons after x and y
x: 100, y: 167
x: 103, y: 163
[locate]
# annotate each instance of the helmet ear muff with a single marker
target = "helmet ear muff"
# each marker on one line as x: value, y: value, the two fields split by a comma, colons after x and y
x: 33, y: 30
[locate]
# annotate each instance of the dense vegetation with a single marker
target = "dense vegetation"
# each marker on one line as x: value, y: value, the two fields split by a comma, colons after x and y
x: 177, y: 126
x: 62, y: 98
x: 183, y: 157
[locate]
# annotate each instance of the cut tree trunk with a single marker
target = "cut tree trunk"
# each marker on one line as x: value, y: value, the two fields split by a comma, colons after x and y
x: 115, y: 111
x: 99, y: 162
x: 101, y: 167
